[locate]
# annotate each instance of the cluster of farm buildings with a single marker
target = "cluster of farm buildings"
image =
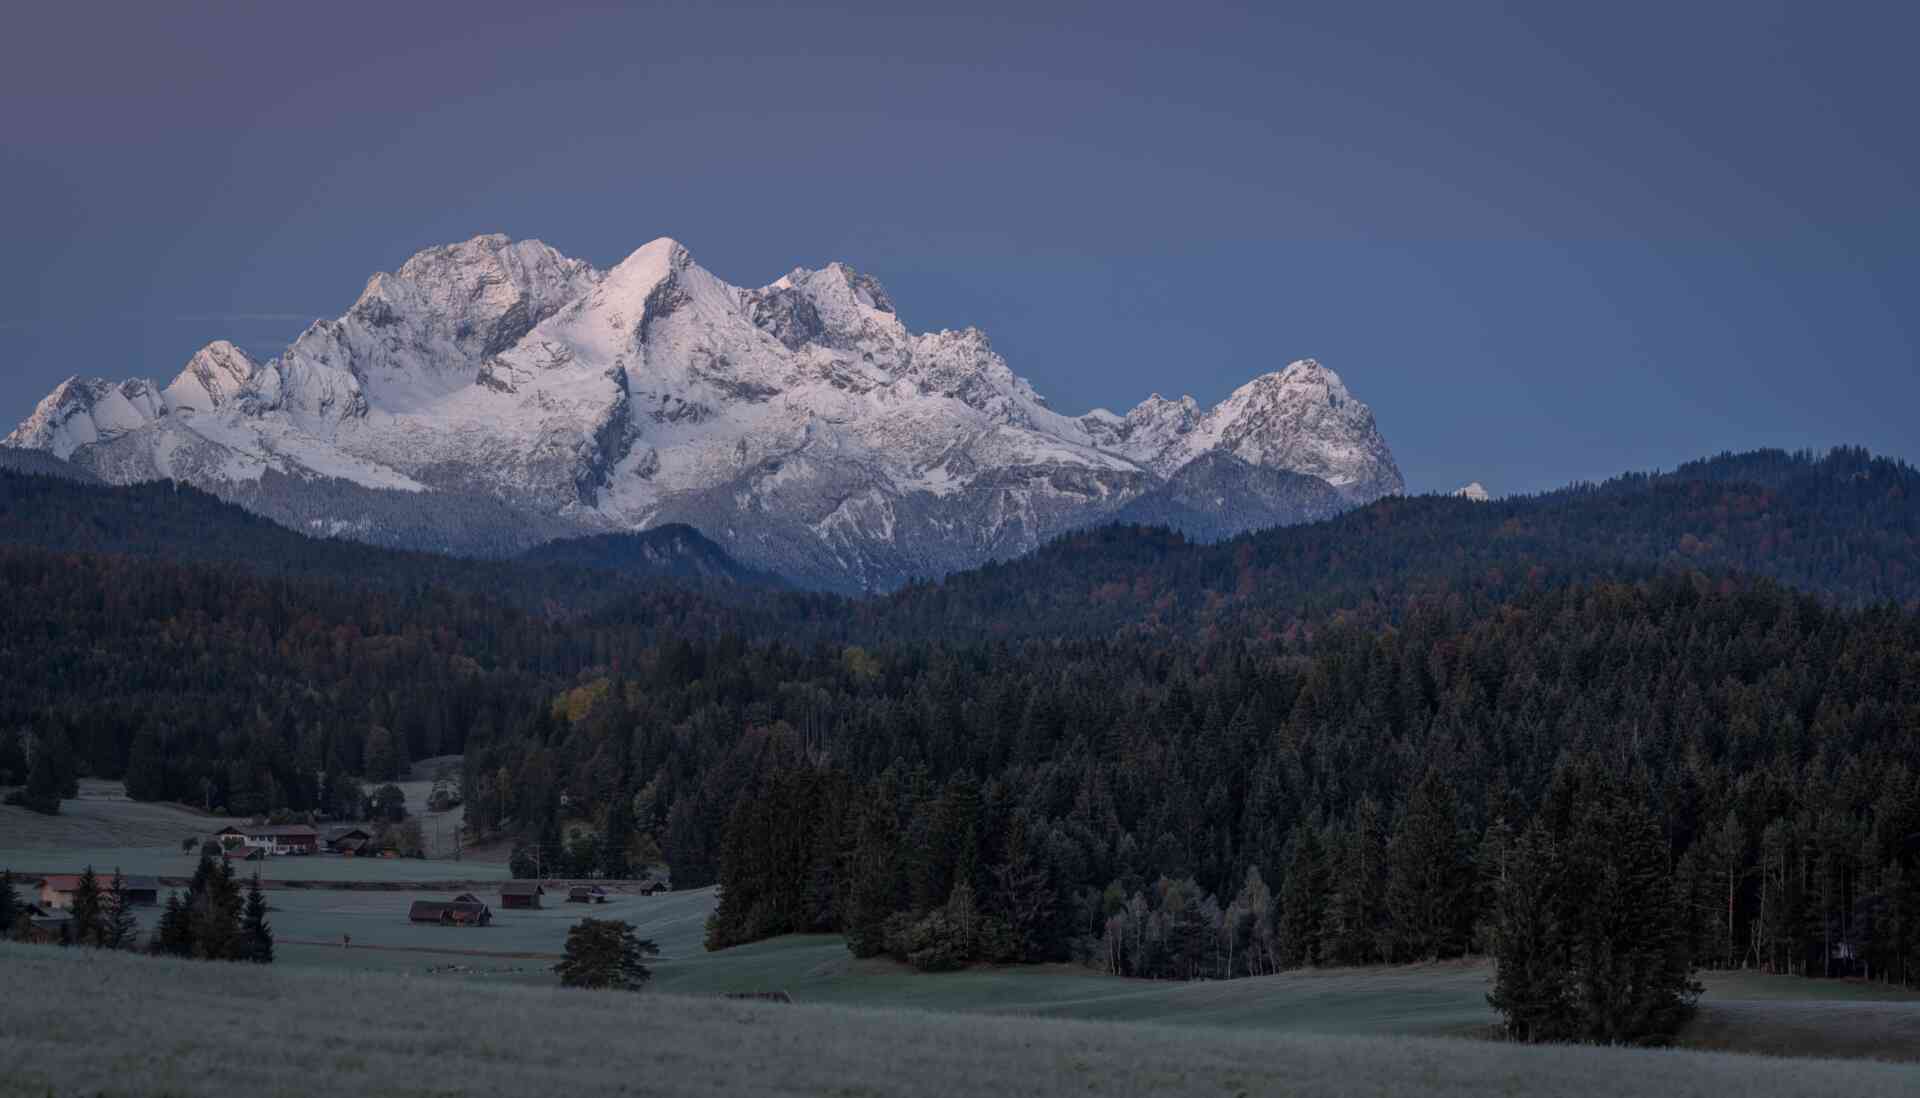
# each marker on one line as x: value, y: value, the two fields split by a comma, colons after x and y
x: 52, y: 895
x: 50, y: 898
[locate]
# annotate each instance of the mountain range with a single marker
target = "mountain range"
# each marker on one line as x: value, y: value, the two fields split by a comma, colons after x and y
x: 493, y: 395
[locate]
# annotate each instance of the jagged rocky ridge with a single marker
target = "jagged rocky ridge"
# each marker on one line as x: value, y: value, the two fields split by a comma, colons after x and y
x: 492, y: 395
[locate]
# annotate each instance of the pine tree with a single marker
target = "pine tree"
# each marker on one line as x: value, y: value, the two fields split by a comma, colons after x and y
x: 256, y: 934
x: 1357, y: 884
x: 119, y: 927
x: 175, y: 933
x: 873, y: 885
x: 87, y: 909
x: 146, y: 768
x: 42, y: 793
x: 1429, y: 877
x: 215, y: 913
x: 1533, y: 976
x: 1303, y: 901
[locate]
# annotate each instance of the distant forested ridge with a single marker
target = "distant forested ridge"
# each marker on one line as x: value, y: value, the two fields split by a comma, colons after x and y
x: 1845, y: 525
x: 163, y: 521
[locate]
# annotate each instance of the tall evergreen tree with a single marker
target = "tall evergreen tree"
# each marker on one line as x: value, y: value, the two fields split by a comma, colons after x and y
x: 256, y: 934
x: 88, y: 911
x: 1429, y: 876
x: 1532, y: 986
x: 119, y: 926
x: 214, y: 906
x: 174, y: 935
x: 1303, y: 901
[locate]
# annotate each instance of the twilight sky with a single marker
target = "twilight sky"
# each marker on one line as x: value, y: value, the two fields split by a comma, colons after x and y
x: 1544, y: 245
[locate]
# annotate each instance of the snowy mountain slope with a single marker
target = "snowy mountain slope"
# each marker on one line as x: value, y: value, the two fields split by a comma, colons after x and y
x: 492, y: 394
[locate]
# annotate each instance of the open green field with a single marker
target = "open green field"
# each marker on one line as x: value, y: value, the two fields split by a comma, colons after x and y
x: 163, y: 861
x: 102, y: 817
x: 123, y: 1024
x: 1741, y: 1011
x: 103, y: 829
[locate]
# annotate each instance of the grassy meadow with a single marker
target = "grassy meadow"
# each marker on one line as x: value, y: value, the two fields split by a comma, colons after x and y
x: 1743, y: 1012
x: 103, y: 829
x: 125, y: 1024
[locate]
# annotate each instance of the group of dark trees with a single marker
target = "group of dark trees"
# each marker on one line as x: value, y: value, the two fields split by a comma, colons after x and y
x: 214, y: 920
x: 1389, y: 736
x: 1742, y: 766
x: 102, y: 915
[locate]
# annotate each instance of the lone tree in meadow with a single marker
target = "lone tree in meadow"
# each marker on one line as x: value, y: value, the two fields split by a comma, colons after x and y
x: 606, y: 953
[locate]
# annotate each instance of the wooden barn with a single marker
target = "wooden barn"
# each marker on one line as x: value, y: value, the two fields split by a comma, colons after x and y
x: 347, y: 840
x: 521, y: 894
x: 586, y: 894
x: 459, y: 911
x: 46, y: 926
x: 56, y: 891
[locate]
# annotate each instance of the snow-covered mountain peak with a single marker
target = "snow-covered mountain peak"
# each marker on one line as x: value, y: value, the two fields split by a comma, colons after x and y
x: 82, y: 412
x: 213, y: 376
x: 1476, y: 492
x: 800, y: 424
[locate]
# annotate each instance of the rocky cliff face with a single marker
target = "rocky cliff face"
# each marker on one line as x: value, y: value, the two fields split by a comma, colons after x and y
x: 499, y: 393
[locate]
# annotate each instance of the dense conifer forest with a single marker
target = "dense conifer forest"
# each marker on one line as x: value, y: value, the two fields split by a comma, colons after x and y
x: 1425, y: 728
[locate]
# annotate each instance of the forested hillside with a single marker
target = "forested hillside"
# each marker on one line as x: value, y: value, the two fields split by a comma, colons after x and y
x: 218, y: 686
x: 176, y: 523
x: 1217, y: 808
x: 1845, y: 526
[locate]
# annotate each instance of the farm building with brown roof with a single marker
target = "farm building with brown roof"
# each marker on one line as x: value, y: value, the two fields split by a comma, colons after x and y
x: 56, y: 891
x: 521, y: 894
x: 45, y: 926
x: 460, y: 911
x: 347, y: 840
x: 272, y: 838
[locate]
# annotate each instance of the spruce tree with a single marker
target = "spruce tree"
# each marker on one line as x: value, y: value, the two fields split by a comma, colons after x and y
x: 1533, y: 978
x: 873, y: 885
x: 175, y: 933
x: 256, y: 934
x: 1303, y: 901
x: 119, y: 927
x: 42, y: 793
x: 215, y: 914
x: 1429, y: 876
x: 88, y: 911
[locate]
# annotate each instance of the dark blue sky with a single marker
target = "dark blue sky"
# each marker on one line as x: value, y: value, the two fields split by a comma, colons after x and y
x: 1544, y: 242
